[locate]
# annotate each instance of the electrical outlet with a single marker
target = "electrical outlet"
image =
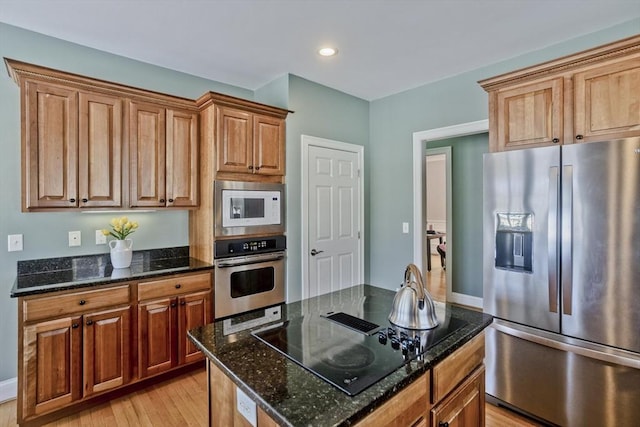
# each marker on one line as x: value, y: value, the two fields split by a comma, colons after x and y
x: 101, y: 239
x: 14, y: 242
x: 75, y: 238
x: 246, y: 407
x: 405, y: 227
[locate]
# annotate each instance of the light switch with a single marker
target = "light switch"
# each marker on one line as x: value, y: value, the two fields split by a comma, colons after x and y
x: 405, y: 227
x: 14, y: 242
x: 75, y: 238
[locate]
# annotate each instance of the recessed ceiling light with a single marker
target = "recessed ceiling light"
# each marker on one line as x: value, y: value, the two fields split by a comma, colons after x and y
x: 328, y: 51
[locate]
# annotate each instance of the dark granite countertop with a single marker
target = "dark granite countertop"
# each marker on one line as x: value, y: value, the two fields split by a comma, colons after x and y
x: 56, y: 274
x: 295, y: 397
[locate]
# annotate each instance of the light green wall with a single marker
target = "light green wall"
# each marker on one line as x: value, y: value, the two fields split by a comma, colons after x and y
x: 466, y: 191
x: 325, y: 113
x: 45, y: 234
x: 394, y: 119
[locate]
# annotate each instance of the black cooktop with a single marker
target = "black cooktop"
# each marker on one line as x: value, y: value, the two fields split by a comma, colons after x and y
x: 353, y: 351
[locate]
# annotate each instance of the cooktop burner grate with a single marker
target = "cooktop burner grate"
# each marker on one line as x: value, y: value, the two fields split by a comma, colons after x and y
x: 353, y: 322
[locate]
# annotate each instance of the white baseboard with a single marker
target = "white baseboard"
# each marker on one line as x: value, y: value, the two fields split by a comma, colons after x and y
x: 464, y: 299
x: 8, y: 389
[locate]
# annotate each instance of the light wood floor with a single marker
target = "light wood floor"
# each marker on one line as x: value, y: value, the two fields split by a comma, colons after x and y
x: 183, y: 402
x: 436, y: 280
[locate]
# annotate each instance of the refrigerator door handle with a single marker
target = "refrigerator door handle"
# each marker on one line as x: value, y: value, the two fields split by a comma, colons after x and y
x: 567, y: 238
x: 552, y: 244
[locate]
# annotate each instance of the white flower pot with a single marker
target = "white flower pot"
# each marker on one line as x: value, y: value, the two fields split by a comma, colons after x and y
x: 121, y: 253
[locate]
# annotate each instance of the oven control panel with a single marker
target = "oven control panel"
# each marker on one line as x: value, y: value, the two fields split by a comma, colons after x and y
x: 239, y: 247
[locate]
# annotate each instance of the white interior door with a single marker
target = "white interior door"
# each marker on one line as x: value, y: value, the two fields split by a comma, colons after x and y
x: 334, y: 211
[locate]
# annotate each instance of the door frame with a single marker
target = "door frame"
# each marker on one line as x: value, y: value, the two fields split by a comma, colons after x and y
x: 420, y: 139
x: 308, y: 141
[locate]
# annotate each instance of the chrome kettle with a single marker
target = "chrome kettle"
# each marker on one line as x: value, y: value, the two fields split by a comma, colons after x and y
x: 412, y: 306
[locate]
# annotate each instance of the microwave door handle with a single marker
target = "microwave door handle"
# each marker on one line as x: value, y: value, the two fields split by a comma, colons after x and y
x: 228, y: 264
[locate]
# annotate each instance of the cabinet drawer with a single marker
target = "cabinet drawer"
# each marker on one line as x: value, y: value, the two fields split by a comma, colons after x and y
x: 451, y: 371
x: 174, y: 286
x: 73, y: 303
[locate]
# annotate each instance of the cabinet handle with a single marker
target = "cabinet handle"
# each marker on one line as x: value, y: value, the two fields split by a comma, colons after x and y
x: 443, y: 424
x: 161, y: 200
x: 72, y: 200
x: 75, y: 326
x: 173, y: 304
x: 555, y: 140
x: 178, y: 286
x: 85, y: 200
x: 183, y: 302
x: 250, y: 167
x: 579, y: 136
x: 89, y: 322
x: 82, y: 302
x: 170, y: 200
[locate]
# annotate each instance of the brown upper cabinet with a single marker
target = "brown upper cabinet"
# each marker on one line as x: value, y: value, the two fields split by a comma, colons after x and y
x: 242, y: 140
x: 163, y: 156
x: 91, y: 144
x: 590, y: 96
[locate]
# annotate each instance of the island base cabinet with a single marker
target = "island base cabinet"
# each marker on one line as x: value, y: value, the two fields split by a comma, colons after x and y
x: 407, y: 408
x: 223, y: 404
x: 465, y: 406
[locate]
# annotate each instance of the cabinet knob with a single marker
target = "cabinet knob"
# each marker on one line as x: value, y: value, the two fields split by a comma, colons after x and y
x: 250, y: 167
x: 579, y: 136
x: 89, y: 322
x: 555, y: 140
x: 178, y: 285
x: 443, y: 424
x: 85, y: 200
x: 75, y: 326
x: 72, y: 200
x: 161, y: 200
x: 170, y: 200
x: 173, y: 304
x: 257, y: 168
x: 183, y: 302
x: 82, y: 302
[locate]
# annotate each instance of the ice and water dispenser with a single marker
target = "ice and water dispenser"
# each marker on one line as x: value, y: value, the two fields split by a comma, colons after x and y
x: 514, y: 241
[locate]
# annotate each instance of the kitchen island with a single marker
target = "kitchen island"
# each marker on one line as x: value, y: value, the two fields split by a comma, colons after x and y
x: 445, y: 381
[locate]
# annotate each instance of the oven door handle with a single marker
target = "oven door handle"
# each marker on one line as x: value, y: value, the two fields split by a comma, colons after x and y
x: 227, y: 264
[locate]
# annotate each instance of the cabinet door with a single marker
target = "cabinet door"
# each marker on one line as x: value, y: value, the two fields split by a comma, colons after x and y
x: 182, y: 159
x: 465, y: 406
x: 268, y: 145
x: 52, y: 365
x: 99, y: 151
x: 193, y: 310
x: 147, y: 155
x: 106, y: 341
x: 234, y: 141
x: 607, y: 101
x: 530, y: 115
x: 156, y: 336
x: 50, y: 150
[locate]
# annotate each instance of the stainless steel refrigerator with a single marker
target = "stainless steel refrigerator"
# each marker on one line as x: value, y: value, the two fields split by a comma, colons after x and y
x: 561, y: 257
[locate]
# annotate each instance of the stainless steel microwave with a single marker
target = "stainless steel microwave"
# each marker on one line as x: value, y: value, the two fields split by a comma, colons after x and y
x: 248, y: 208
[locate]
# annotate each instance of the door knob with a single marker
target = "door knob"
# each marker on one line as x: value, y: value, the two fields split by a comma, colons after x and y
x: 314, y: 252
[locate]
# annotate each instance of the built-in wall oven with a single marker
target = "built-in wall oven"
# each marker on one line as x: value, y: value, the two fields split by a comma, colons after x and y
x: 249, y: 274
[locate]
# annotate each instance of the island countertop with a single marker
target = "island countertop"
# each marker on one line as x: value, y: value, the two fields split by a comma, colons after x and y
x: 293, y: 396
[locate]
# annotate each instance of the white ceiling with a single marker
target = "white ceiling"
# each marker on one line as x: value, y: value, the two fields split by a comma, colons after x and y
x: 385, y: 46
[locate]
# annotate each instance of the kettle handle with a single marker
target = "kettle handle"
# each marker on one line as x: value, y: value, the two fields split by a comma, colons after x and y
x: 412, y: 269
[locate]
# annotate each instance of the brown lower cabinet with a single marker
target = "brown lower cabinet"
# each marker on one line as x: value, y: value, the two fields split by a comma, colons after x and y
x: 76, y: 345
x: 449, y: 394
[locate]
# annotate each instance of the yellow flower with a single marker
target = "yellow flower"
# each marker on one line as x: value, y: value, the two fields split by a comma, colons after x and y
x: 121, y: 228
